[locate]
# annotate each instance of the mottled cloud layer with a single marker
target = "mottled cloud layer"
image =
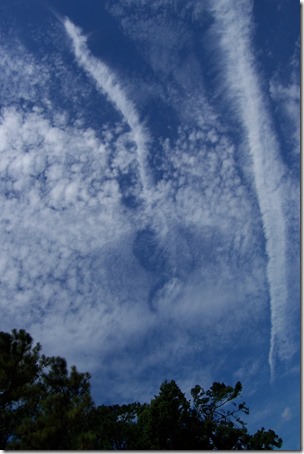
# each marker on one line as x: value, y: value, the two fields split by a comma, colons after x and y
x: 130, y: 252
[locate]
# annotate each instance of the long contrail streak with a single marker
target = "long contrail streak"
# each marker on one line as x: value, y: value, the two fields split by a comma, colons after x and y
x: 233, y: 25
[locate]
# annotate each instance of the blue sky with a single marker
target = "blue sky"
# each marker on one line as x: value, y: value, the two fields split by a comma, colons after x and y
x: 149, y: 191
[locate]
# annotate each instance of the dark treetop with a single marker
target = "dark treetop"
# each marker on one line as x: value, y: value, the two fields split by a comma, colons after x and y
x: 46, y: 406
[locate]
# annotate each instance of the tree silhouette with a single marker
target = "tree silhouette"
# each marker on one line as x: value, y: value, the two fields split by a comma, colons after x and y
x: 46, y: 406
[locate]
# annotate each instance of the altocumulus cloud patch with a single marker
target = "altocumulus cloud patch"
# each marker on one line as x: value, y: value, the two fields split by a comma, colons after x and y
x: 149, y: 204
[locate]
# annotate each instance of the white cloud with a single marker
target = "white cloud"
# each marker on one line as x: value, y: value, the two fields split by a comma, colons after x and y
x: 114, y: 286
x: 234, y: 25
x: 69, y: 268
x: 286, y: 414
x: 108, y: 83
x: 286, y: 95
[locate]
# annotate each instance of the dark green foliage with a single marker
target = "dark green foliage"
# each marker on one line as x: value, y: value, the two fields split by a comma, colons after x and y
x: 57, y: 414
x: 221, y: 420
x: 165, y: 423
x: 115, y: 426
x: 264, y: 440
x: 20, y: 364
x: 45, y: 406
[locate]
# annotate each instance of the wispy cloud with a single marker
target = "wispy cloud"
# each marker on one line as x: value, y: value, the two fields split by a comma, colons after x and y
x: 121, y: 287
x: 234, y: 25
x: 286, y: 95
x: 108, y: 83
x: 286, y: 414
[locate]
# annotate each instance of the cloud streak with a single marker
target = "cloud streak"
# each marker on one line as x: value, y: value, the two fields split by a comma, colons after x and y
x: 108, y: 83
x: 234, y: 25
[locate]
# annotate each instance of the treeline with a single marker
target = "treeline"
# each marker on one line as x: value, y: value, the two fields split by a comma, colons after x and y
x: 46, y: 406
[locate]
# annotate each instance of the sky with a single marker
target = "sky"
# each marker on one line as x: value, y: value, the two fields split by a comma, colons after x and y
x: 150, y: 192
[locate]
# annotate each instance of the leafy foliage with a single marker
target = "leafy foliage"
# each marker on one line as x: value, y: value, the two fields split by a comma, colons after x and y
x: 45, y: 406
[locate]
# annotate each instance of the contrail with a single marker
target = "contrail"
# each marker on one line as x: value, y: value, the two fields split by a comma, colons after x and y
x: 109, y: 85
x: 233, y: 27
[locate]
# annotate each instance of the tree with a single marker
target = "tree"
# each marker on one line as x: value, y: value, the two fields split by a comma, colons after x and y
x: 43, y: 405
x: 20, y: 365
x: 46, y: 406
x: 115, y: 426
x: 166, y: 422
x: 57, y: 415
x: 212, y: 421
x: 222, y: 426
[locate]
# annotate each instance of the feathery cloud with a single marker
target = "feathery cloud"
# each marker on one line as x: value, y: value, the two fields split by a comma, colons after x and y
x: 108, y: 83
x: 107, y: 281
x: 234, y: 25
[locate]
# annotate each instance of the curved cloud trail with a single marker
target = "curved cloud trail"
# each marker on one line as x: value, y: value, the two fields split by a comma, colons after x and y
x: 234, y: 30
x: 107, y: 82
x: 109, y: 85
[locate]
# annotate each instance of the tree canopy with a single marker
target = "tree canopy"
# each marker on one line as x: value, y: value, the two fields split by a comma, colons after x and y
x: 46, y: 406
